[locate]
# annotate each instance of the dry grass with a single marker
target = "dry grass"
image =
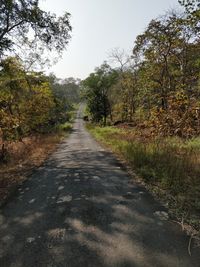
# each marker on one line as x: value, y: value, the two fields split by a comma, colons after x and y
x: 169, y: 167
x: 23, y: 158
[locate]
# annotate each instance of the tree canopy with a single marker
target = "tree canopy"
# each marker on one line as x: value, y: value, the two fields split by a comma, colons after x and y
x: 23, y: 22
x: 97, y: 89
x: 158, y: 85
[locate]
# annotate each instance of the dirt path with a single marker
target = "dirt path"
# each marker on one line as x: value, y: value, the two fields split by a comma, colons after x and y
x: 82, y: 210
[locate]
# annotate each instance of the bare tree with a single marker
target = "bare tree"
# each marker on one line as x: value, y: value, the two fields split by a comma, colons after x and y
x: 119, y: 58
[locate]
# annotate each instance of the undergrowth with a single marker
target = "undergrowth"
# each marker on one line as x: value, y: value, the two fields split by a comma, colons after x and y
x: 27, y: 154
x: 65, y: 127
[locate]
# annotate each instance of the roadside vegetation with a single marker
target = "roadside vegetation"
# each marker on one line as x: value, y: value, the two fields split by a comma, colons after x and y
x: 36, y: 110
x: 146, y: 108
x: 170, y: 168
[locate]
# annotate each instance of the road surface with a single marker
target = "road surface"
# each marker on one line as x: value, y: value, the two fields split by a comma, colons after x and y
x: 81, y: 209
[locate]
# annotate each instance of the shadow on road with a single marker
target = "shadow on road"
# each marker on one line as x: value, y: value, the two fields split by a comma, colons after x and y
x: 94, y: 216
x: 80, y: 209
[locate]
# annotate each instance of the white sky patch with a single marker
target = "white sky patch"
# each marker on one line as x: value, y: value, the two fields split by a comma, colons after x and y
x: 99, y: 26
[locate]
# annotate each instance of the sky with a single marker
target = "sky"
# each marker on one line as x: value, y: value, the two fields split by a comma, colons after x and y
x: 98, y: 27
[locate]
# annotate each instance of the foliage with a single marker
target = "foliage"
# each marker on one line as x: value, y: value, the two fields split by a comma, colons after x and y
x: 66, y: 127
x: 97, y: 87
x: 23, y: 22
x: 169, y: 54
x: 67, y: 89
x: 66, y: 94
x: 158, y: 86
x: 25, y: 99
x: 182, y: 117
x: 190, y: 5
x: 29, y: 103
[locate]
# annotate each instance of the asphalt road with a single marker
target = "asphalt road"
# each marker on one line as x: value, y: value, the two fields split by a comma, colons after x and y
x: 81, y: 209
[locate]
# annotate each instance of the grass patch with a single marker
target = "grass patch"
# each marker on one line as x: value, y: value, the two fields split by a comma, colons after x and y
x: 65, y: 127
x: 170, y: 167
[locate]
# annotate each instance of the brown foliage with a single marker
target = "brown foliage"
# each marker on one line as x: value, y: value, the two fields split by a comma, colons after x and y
x: 180, y: 118
x: 23, y: 158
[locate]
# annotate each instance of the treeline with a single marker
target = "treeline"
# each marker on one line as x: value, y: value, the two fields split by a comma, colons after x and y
x: 31, y: 102
x: 158, y: 85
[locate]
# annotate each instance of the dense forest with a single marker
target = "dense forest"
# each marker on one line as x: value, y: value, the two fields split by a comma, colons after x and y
x: 158, y: 85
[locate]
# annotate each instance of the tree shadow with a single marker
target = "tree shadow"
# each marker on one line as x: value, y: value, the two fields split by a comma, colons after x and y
x: 81, y: 209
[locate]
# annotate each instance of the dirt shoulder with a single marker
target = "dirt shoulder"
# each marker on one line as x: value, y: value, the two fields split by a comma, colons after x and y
x: 24, y: 157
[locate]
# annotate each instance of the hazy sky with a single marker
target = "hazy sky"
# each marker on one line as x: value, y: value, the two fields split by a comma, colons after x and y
x: 99, y: 26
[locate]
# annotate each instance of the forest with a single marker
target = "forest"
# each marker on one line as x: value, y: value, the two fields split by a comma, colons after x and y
x: 158, y: 84
x: 146, y: 107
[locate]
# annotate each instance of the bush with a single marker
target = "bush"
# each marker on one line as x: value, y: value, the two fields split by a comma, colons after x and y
x: 180, y: 118
x: 66, y: 127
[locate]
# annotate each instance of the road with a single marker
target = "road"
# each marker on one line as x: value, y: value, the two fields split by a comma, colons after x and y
x: 81, y: 209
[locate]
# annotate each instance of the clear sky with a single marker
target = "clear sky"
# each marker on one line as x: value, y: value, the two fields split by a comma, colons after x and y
x: 99, y: 26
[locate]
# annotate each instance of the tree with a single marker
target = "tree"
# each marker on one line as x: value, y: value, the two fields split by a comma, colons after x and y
x: 97, y: 88
x: 22, y: 22
x: 126, y: 85
x: 158, y: 85
x: 190, y: 5
x: 66, y: 93
x: 169, y: 75
x: 165, y: 50
x: 192, y: 10
x: 120, y: 59
x: 26, y: 101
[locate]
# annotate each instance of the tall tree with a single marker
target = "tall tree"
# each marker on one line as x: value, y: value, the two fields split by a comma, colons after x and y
x: 23, y: 22
x: 165, y: 50
x: 97, y: 87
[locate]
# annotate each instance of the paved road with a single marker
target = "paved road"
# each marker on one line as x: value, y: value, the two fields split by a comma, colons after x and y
x: 82, y: 210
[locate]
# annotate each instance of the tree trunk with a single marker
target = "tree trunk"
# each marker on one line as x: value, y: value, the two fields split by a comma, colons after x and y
x: 3, y: 153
